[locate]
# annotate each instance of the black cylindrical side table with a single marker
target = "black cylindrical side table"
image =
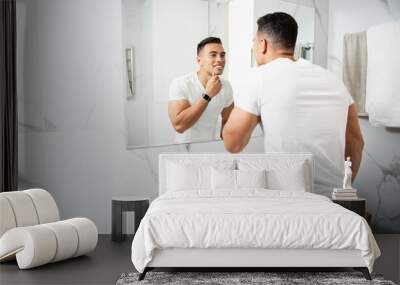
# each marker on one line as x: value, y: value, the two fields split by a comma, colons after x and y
x: 121, y: 204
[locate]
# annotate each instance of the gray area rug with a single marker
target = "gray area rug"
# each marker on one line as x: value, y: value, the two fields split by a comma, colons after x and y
x: 225, y: 278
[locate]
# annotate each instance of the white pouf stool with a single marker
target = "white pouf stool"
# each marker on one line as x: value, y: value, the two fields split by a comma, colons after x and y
x: 32, y: 233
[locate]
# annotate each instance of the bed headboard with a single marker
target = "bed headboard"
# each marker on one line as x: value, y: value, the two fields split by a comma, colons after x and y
x: 165, y: 158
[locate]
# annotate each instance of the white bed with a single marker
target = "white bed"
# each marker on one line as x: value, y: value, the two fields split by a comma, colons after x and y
x: 201, y: 220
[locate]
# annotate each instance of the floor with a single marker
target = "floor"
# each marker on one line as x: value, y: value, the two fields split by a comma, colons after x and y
x: 103, y: 266
x: 111, y: 259
x: 389, y: 262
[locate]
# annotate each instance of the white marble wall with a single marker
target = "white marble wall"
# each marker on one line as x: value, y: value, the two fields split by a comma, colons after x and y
x: 379, y: 176
x: 72, y: 136
x: 70, y: 100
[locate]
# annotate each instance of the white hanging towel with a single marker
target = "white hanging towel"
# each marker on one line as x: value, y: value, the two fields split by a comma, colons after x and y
x: 383, y: 75
x: 355, y: 59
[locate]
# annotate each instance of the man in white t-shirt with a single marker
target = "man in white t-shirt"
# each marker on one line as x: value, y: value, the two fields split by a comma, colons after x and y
x: 301, y: 106
x: 198, y: 99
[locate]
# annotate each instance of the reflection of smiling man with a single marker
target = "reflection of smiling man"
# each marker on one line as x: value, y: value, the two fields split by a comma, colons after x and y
x: 197, y: 99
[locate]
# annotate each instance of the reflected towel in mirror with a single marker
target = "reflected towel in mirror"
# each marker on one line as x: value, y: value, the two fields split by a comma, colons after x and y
x: 355, y: 59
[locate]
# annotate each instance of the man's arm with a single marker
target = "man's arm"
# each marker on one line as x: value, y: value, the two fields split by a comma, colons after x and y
x: 354, y: 140
x: 183, y: 115
x: 225, y: 115
x: 237, y: 131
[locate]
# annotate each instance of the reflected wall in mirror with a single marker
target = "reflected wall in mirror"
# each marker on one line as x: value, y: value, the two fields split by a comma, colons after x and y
x: 160, y: 42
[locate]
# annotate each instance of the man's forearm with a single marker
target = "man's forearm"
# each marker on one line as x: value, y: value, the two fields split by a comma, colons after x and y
x: 188, y: 117
x: 354, y: 147
x: 354, y: 140
x: 234, y: 143
x: 237, y: 131
x: 222, y: 127
x: 226, y: 112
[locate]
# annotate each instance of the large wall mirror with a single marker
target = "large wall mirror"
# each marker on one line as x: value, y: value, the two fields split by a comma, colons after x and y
x: 160, y: 39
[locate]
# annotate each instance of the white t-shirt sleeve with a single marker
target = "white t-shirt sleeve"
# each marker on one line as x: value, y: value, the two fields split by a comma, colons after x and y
x: 246, y: 97
x: 176, y: 91
x: 348, y: 96
x: 228, y: 94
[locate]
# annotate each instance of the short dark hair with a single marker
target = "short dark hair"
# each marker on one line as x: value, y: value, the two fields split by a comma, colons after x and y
x: 280, y: 27
x: 209, y: 40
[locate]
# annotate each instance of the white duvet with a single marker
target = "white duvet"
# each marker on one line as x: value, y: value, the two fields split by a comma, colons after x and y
x: 250, y: 219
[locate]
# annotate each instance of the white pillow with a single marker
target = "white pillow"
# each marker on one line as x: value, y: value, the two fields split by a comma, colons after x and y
x: 193, y: 174
x: 237, y: 179
x: 251, y: 178
x: 181, y: 177
x: 223, y: 179
x: 293, y: 180
x: 282, y: 174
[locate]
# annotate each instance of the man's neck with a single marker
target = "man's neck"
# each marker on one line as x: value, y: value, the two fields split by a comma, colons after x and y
x: 203, y: 76
x: 278, y: 54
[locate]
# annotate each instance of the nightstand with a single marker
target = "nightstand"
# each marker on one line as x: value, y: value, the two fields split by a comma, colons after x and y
x: 121, y: 204
x: 357, y: 206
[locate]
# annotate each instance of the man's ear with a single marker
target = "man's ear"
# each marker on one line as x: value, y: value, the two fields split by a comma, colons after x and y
x: 264, y: 45
x: 198, y: 60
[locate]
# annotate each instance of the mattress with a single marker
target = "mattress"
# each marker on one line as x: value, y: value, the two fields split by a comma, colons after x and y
x: 250, y: 218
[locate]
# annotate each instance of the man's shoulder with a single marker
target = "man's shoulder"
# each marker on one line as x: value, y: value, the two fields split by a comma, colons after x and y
x: 316, y: 67
x: 184, y: 79
x: 329, y: 75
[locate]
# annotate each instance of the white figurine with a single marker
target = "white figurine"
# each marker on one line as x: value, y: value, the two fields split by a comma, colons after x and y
x: 347, y: 174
